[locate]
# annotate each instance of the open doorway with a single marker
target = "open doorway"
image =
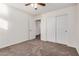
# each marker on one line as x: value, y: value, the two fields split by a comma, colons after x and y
x: 38, y: 32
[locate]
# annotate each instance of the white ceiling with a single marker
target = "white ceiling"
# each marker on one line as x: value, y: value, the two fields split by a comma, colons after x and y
x: 49, y: 7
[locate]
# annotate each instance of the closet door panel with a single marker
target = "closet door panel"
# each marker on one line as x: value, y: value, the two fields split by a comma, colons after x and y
x: 62, y: 29
x: 43, y: 29
x: 51, y: 29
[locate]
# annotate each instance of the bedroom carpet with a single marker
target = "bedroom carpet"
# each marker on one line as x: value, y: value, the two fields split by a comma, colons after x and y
x: 38, y: 48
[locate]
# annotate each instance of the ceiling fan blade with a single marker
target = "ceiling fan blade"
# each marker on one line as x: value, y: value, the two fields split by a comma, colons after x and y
x: 43, y: 4
x: 27, y: 4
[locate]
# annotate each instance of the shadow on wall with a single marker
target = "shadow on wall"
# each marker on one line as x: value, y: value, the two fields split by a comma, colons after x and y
x: 3, y: 16
x: 3, y: 24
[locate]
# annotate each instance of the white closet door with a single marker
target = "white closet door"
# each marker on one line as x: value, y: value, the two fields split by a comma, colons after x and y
x: 51, y: 29
x: 62, y: 30
x: 43, y: 29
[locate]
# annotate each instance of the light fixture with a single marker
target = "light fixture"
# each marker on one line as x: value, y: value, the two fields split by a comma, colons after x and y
x: 34, y: 5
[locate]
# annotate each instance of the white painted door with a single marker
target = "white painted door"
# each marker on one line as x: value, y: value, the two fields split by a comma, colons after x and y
x: 43, y: 29
x: 50, y: 29
x: 62, y: 29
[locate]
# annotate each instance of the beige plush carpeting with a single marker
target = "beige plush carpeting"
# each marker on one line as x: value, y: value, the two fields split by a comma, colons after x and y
x: 38, y: 48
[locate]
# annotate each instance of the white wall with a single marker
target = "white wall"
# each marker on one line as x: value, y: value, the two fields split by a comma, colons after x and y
x: 77, y: 28
x: 48, y: 26
x: 18, y: 29
x: 32, y: 31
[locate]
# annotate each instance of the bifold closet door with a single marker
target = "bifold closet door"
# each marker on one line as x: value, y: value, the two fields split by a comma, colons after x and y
x: 62, y: 29
x: 50, y: 31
